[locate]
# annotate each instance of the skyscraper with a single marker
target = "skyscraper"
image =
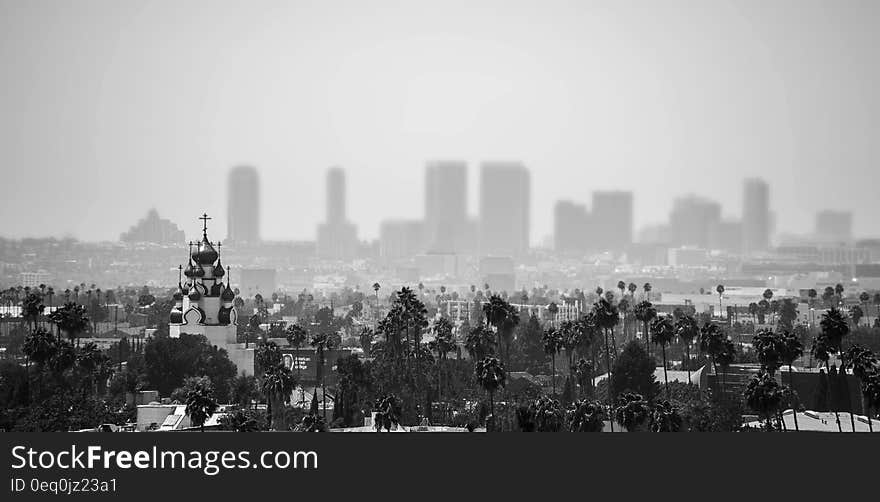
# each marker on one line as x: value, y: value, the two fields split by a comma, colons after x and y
x: 692, y: 221
x: 335, y: 195
x: 337, y: 238
x: 504, y: 209
x: 570, y: 227
x: 756, y: 216
x: 612, y: 220
x: 445, y: 206
x: 243, y: 205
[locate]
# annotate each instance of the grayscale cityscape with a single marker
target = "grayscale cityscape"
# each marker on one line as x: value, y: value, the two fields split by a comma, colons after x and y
x: 571, y: 217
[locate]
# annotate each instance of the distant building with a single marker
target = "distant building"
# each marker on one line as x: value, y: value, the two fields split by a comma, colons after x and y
x: 834, y: 226
x: 570, y: 227
x: 155, y: 230
x: 505, y: 189
x: 33, y: 279
x: 337, y: 238
x: 756, y: 221
x: 445, y: 206
x: 498, y: 272
x: 243, y: 206
x: 400, y: 239
x: 692, y: 220
x: 726, y: 236
x: 612, y: 220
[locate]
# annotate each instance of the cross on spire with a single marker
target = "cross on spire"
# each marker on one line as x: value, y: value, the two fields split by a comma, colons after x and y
x: 204, y: 217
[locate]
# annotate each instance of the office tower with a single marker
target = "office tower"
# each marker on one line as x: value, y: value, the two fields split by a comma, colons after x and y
x: 445, y: 206
x: 726, y: 236
x: 504, y: 209
x: 611, y: 222
x: 337, y: 238
x: 692, y: 220
x: 400, y: 239
x: 570, y: 227
x: 335, y: 195
x: 243, y: 205
x: 834, y: 226
x: 756, y: 216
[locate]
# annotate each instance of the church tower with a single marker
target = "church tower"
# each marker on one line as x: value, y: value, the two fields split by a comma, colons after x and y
x: 203, y: 304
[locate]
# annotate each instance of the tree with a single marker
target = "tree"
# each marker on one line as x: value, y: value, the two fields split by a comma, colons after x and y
x: 244, y: 390
x: 632, y: 411
x: 586, y: 416
x: 489, y: 373
x: 32, y: 308
x: 719, y: 349
x: 480, y: 342
x: 863, y: 363
x: 442, y: 344
x: 387, y: 410
x: 552, y: 345
x: 662, y: 332
x: 634, y: 372
x: 665, y: 418
x: 71, y: 319
x: 871, y: 394
x: 645, y: 313
x: 765, y: 396
x: 200, y: 401
x: 297, y: 336
x: 548, y: 414
x: 792, y: 349
x: 856, y: 313
x: 503, y: 317
x: 720, y: 290
x: 687, y: 330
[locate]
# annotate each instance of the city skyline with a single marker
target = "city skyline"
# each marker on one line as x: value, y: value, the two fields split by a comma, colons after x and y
x: 782, y: 92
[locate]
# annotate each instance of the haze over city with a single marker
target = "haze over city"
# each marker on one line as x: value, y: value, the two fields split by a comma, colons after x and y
x: 120, y: 107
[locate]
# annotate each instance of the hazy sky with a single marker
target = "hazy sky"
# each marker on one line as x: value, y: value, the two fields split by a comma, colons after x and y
x: 108, y: 108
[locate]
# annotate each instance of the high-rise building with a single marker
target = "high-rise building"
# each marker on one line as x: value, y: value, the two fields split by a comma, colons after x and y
x: 400, y: 239
x: 726, y: 236
x: 504, y: 209
x: 570, y: 227
x: 445, y: 206
x: 335, y: 195
x: 756, y: 222
x: 337, y: 238
x: 834, y: 226
x: 611, y: 222
x: 243, y: 205
x: 692, y: 220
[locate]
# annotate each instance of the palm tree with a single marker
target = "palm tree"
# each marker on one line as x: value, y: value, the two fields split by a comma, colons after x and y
x: 297, y: 336
x: 792, y: 349
x: 871, y: 394
x: 622, y: 287
x: 70, y: 319
x: 552, y: 345
x: 200, y: 401
x: 491, y: 377
x: 864, y: 298
x: 586, y: 416
x: 606, y: 316
x: 838, y: 290
x: 32, y: 308
x: 376, y: 288
x: 765, y: 395
x: 277, y: 385
x: 720, y: 290
x: 662, y: 332
x: 503, y: 317
x: 863, y: 363
x: 645, y: 312
x: 811, y: 294
x: 632, y: 411
x: 717, y: 347
x: 665, y: 418
x: 647, y: 287
x: 687, y: 330
x: 442, y: 344
x: 321, y: 343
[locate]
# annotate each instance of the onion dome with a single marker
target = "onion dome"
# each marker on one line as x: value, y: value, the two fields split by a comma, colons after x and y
x: 178, y: 295
x: 176, y: 316
x: 194, y: 295
x: 190, y: 270
x: 199, y: 271
x: 228, y: 295
x: 219, y: 271
x: 205, y: 254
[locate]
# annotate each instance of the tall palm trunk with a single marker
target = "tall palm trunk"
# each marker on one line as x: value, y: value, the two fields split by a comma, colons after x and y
x: 791, y: 384
x: 665, y: 375
x: 687, y: 349
x: 553, y: 364
x: 608, y: 378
